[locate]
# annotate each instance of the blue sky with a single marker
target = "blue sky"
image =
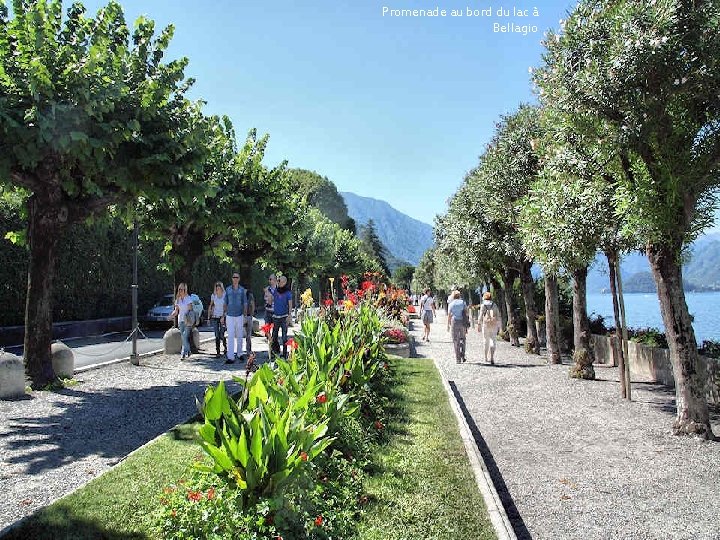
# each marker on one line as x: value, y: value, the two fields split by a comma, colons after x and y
x: 396, y: 108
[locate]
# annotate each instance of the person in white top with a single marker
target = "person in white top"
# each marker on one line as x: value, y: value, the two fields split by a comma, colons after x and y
x: 427, y: 306
x: 216, y: 311
x: 489, y: 325
x: 183, y: 303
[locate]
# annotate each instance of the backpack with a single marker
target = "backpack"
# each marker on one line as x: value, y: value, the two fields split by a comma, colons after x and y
x: 489, y: 314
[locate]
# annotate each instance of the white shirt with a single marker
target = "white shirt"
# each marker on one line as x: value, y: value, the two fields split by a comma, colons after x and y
x: 218, y: 305
x: 183, y: 304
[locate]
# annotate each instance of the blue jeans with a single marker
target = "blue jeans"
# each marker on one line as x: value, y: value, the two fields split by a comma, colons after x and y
x: 184, y: 333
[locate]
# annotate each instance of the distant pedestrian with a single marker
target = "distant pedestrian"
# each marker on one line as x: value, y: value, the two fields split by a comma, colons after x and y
x: 268, y: 293
x: 235, y: 302
x: 427, y: 306
x: 217, y: 311
x: 282, y: 315
x: 489, y: 325
x: 458, y: 320
x: 183, y: 304
x: 249, y: 312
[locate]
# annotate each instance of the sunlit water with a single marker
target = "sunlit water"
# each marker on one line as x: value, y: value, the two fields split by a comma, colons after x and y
x: 643, y: 310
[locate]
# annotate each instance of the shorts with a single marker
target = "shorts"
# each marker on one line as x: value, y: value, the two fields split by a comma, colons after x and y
x: 427, y: 317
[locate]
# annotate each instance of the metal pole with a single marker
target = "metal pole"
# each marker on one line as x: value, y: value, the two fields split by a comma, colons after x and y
x: 134, y: 357
x: 626, y: 356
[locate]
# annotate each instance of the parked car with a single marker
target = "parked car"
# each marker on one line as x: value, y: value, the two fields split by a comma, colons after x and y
x: 159, y: 313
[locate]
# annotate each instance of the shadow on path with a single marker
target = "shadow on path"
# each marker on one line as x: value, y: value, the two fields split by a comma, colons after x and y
x: 516, y: 519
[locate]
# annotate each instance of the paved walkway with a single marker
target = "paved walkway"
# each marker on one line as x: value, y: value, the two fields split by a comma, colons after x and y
x: 571, y: 459
x: 55, y: 442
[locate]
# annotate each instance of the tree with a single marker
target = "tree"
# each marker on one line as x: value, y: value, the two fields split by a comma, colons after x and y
x: 649, y: 71
x: 319, y: 192
x: 87, y: 120
x: 373, y: 245
x: 195, y: 225
x: 403, y: 276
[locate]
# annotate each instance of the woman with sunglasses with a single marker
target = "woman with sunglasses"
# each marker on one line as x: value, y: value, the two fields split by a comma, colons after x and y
x: 183, y: 303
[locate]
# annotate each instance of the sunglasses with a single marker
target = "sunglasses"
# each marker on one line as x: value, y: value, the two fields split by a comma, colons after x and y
x: 236, y: 277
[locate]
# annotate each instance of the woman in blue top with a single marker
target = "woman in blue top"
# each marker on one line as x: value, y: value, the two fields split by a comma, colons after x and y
x: 282, y: 314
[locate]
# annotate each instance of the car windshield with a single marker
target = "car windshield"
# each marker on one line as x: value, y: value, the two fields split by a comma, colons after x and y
x: 165, y: 301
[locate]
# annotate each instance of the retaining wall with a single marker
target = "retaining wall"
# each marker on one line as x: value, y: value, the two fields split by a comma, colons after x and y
x: 653, y: 364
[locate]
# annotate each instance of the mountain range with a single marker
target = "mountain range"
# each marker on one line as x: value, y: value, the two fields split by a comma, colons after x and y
x: 405, y: 238
x: 701, y: 269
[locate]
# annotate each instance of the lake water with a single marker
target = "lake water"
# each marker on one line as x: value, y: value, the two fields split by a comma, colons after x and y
x: 643, y: 310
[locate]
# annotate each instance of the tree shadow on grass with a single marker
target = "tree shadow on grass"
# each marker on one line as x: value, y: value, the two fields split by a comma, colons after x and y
x: 60, y: 524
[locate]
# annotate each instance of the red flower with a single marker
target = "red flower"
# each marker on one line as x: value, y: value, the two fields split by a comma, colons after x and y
x: 303, y: 456
x: 292, y: 344
x: 321, y: 397
x: 318, y: 521
x: 328, y: 302
x: 266, y: 328
x: 194, y: 495
x: 211, y: 493
x: 411, y: 309
x: 379, y: 424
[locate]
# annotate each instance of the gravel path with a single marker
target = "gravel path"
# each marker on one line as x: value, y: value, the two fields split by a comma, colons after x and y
x: 571, y: 459
x: 54, y: 442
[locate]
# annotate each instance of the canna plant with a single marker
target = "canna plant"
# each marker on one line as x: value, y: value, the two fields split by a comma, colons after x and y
x: 261, y: 447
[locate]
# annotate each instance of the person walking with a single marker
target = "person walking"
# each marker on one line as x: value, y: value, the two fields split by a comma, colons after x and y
x: 268, y: 293
x: 489, y: 325
x: 282, y: 315
x: 427, y: 306
x: 183, y: 304
x: 217, y: 311
x: 457, y: 319
x: 235, y: 302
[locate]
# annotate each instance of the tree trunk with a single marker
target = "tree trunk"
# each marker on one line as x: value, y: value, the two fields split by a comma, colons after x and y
x: 552, y: 319
x: 188, y: 244
x: 583, y: 354
x: 47, y: 220
x: 617, y: 349
x: 499, y: 297
x: 690, y: 379
x: 581, y: 323
x: 513, y: 323
x: 528, y: 289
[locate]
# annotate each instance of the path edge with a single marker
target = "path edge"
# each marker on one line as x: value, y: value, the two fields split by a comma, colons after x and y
x: 496, y: 510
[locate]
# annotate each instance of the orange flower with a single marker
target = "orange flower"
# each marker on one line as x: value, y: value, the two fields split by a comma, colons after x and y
x: 303, y: 456
x: 211, y: 493
x: 194, y: 495
x: 321, y: 397
x: 379, y: 425
x: 318, y: 521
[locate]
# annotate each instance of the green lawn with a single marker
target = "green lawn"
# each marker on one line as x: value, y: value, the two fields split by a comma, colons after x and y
x: 426, y: 489
x: 423, y: 487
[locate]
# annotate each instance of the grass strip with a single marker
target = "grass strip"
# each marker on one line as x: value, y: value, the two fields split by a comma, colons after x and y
x: 425, y: 487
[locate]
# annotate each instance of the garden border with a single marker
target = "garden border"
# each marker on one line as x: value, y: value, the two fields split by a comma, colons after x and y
x: 496, y: 510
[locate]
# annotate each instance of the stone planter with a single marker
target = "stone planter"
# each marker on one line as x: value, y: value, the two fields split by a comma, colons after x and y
x: 398, y: 349
x: 63, y: 360
x: 12, y: 376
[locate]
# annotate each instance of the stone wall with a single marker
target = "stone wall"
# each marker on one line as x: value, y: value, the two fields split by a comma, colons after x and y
x: 653, y: 364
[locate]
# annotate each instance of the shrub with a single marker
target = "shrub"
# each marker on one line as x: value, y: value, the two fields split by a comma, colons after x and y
x: 710, y: 348
x: 652, y: 337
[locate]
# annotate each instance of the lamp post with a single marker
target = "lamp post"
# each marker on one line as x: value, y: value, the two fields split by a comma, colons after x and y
x: 134, y: 356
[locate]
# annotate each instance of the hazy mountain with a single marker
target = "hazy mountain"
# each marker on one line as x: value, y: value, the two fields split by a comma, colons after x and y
x: 701, y: 270
x: 406, y: 238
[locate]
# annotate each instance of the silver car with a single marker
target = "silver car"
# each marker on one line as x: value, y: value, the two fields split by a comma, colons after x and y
x: 159, y: 313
